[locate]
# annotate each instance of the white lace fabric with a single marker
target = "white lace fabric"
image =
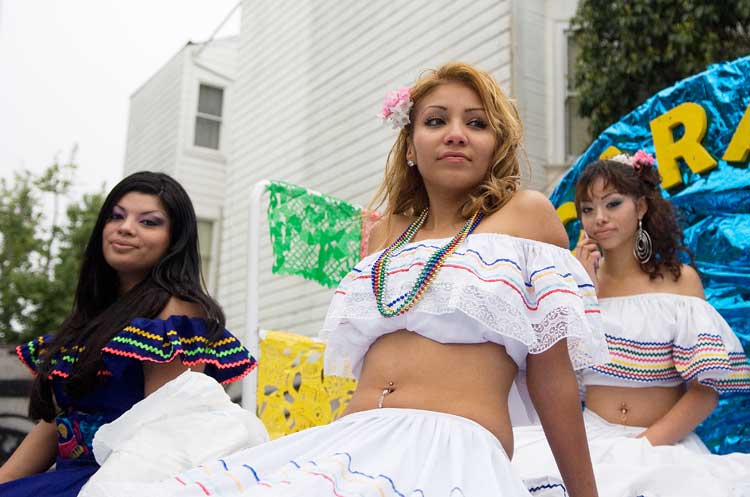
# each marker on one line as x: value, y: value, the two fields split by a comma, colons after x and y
x: 522, y: 294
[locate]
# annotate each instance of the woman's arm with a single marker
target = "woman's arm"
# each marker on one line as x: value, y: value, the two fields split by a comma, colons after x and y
x: 554, y: 392
x: 35, y: 454
x: 699, y: 400
x: 695, y: 406
x: 155, y: 375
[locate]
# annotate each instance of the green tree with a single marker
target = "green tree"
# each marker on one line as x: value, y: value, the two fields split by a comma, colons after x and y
x: 19, y: 241
x: 630, y: 49
x: 39, y: 267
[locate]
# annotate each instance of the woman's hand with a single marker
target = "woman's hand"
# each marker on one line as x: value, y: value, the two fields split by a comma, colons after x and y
x: 589, y: 255
x: 698, y: 402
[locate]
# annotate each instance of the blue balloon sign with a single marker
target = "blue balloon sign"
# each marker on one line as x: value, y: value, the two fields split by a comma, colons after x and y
x: 699, y: 132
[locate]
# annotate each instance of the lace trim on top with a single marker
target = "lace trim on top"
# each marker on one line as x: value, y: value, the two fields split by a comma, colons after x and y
x: 522, y: 294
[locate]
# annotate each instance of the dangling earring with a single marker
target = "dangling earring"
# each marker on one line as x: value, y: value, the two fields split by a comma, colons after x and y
x: 411, y: 163
x: 643, y: 248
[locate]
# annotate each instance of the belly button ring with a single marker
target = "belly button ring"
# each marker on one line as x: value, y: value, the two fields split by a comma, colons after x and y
x: 385, y: 392
x: 623, y: 411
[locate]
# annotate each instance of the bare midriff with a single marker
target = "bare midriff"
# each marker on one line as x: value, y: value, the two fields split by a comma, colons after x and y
x: 468, y: 380
x: 632, y: 406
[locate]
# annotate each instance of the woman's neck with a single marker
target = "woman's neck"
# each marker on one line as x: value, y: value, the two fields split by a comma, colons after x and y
x: 128, y: 281
x: 619, y: 262
x: 444, y: 217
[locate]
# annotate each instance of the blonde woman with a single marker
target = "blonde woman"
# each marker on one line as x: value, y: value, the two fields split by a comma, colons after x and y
x: 468, y: 288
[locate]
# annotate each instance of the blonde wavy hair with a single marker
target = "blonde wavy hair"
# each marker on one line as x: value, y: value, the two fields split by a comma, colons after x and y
x: 402, y: 186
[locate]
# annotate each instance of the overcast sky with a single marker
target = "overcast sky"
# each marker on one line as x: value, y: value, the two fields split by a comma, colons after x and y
x: 68, y: 68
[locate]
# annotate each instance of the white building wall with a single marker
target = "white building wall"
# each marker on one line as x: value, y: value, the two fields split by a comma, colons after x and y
x: 309, y: 87
x: 153, y: 122
x: 202, y: 170
x: 529, y: 85
x: 557, y: 20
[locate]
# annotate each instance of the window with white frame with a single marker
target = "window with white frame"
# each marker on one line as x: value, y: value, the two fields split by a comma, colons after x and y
x: 208, y: 118
x: 205, y: 244
x: 577, y: 135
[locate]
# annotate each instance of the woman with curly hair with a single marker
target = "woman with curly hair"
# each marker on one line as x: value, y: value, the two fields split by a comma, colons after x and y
x: 672, y: 354
x: 469, y: 311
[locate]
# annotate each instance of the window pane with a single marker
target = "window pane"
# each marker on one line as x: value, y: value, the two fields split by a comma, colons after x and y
x: 205, y: 242
x: 207, y: 133
x: 210, y: 100
x: 572, y: 56
x: 577, y: 129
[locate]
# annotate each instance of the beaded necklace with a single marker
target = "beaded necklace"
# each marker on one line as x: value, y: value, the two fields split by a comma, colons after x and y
x: 429, y: 271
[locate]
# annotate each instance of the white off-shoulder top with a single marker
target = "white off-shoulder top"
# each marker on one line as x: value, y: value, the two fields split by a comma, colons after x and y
x: 522, y: 294
x: 663, y: 339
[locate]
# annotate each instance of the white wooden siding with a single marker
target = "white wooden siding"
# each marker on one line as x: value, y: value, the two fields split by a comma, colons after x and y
x: 154, y: 121
x: 312, y: 76
x: 529, y: 85
x: 201, y: 170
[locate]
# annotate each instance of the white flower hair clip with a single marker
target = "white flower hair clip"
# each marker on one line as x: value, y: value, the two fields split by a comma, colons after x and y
x: 636, y: 161
x: 396, y: 107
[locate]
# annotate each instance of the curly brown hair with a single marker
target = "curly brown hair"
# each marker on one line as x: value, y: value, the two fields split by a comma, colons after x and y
x: 402, y: 186
x: 660, y: 220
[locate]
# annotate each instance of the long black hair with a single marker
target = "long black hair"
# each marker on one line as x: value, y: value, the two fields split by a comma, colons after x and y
x: 100, y: 312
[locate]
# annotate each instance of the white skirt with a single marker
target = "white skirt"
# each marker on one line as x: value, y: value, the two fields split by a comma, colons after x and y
x: 626, y: 466
x: 378, y: 453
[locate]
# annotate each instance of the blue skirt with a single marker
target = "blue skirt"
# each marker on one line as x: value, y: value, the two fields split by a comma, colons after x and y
x: 66, y: 480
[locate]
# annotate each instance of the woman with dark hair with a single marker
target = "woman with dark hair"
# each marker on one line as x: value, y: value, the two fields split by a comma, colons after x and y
x: 140, y: 318
x: 672, y: 354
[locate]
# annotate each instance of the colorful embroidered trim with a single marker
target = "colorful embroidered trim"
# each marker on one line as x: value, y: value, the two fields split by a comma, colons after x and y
x: 639, y: 361
x: 738, y: 380
x: 541, y: 283
x: 335, y: 472
x: 707, y: 354
x: 154, y: 340
x: 663, y: 362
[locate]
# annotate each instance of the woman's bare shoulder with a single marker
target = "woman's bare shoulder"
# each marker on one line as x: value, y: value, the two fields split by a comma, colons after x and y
x: 529, y: 214
x: 385, y: 230
x: 179, y: 307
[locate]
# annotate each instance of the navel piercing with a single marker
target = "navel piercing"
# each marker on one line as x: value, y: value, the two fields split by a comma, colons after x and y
x: 623, y: 412
x: 385, y: 392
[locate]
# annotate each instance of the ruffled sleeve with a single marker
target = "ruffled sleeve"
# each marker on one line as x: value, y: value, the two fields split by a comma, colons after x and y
x: 560, y: 302
x: 31, y: 353
x: 522, y: 294
x: 706, y: 349
x: 161, y: 341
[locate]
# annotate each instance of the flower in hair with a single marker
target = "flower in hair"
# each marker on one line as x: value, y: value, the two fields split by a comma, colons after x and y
x: 622, y: 159
x: 640, y: 158
x: 396, y: 107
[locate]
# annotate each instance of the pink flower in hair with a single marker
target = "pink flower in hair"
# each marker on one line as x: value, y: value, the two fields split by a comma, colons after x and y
x: 642, y: 158
x: 396, y: 107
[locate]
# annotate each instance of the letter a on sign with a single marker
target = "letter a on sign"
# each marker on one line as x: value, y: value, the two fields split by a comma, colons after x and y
x: 688, y: 147
x: 739, y: 148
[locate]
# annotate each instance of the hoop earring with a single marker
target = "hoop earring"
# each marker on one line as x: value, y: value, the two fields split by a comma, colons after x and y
x: 643, y: 248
